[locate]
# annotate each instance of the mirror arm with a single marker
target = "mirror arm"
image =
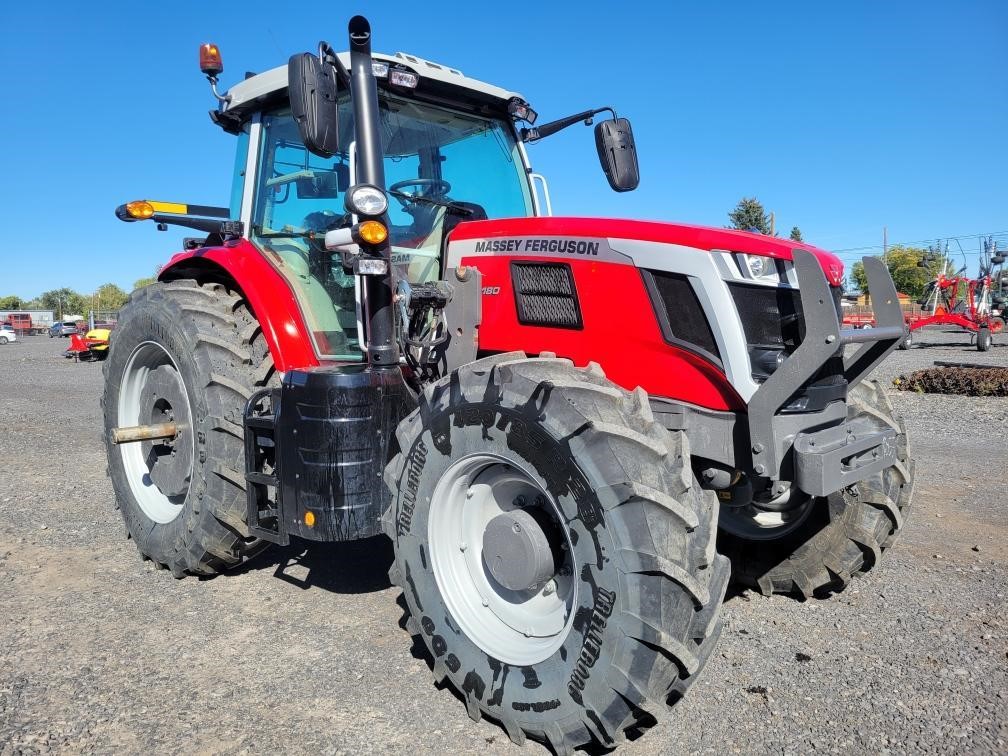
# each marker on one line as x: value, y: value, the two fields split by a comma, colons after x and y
x: 548, y: 129
x: 328, y: 55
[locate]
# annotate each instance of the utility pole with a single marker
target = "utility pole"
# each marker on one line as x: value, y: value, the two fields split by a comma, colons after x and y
x: 885, y: 244
x: 773, y: 224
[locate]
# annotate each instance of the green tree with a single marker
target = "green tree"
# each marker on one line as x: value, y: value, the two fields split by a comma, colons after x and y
x: 750, y: 215
x: 63, y: 302
x: 141, y: 282
x: 110, y: 297
x: 796, y: 234
x: 910, y: 278
x: 11, y: 302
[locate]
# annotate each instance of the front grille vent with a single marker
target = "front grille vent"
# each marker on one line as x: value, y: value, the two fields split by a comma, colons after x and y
x: 545, y: 295
x: 771, y: 316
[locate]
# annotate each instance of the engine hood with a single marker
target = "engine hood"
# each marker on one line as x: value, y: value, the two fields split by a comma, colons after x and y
x: 699, y: 237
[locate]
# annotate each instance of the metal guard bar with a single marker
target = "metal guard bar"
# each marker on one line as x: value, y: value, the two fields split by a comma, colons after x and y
x: 823, y: 337
x: 889, y: 322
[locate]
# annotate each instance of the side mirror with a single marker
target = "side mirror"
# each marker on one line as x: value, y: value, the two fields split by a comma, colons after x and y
x: 312, y: 88
x: 617, y: 153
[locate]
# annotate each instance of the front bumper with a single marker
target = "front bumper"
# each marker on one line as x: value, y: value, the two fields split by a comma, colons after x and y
x: 824, y: 459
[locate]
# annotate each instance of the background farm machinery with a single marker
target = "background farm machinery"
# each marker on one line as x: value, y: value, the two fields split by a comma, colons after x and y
x: 976, y: 305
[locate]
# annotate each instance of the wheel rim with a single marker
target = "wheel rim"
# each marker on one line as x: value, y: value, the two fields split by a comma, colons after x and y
x: 519, y: 627
x: 766, y: 522
x: 137, y: 408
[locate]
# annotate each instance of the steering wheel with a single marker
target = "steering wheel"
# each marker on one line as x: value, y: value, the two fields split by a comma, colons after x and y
x: 437, y: 187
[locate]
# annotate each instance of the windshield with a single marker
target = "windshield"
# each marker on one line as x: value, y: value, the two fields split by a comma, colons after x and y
x: 442, y: 167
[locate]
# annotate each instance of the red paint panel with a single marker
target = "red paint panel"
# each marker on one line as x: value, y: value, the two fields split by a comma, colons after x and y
x: 685, y: 235
x: 269, y: 295
x: 620, y: 332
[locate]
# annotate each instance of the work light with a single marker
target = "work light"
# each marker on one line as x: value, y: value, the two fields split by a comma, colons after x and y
x: 399, y: 77
x: 366, y: 199
x: 520, y: 110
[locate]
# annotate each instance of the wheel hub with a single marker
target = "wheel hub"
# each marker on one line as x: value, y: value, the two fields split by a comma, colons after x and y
x: 516, y: 551
x: 152, y: 392
x: 169, y: 461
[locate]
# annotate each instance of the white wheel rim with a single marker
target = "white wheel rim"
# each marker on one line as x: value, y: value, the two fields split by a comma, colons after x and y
x: 519, y: 628
x: 146, y: 357
x: 753, y: 523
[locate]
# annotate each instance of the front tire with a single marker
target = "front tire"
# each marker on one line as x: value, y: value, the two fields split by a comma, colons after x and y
x: 631, y: 612
x: 192, y: 354
x: 832, y: 538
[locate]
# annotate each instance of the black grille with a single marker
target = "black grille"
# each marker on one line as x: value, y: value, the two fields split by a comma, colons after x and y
x: 545, y: 295
x: 680, y: 314
x: 771, y: 316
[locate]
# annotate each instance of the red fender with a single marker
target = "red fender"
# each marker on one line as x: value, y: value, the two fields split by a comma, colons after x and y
x: 267, y: 292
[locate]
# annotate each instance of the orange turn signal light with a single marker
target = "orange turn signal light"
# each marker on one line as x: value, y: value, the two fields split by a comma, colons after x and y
x: 210, y: 61
x: 372, y: 232
x: 141, y: 209
x: 309, y: 519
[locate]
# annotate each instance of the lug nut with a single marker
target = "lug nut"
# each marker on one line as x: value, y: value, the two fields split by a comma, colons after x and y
x: 550, y: 588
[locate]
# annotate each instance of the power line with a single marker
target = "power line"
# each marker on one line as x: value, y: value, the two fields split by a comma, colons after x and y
x: 921, y: 241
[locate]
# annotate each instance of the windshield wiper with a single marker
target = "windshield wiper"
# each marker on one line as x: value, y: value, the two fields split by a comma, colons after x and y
x: 451, y: 204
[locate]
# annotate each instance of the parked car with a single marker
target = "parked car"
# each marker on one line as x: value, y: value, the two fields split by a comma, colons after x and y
x: 7, y: 333
x: 65, y: 329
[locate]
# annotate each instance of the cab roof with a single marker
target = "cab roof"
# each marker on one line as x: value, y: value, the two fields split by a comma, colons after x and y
x: 246, y: 95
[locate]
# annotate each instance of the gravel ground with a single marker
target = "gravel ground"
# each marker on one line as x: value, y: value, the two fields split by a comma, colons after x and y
x: 301, y: 651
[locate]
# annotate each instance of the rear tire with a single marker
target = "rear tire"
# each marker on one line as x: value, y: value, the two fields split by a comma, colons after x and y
x: 844, y: 534
x: 643, y: 585
x: 190, y: 353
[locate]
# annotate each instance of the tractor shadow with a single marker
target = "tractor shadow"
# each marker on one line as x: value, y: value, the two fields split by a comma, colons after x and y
x: 349, y: 567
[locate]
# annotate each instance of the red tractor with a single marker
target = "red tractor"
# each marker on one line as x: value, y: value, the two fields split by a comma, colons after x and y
x: 572, y: 429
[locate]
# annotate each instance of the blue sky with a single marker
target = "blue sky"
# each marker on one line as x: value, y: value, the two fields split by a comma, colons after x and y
x: 841, y: 117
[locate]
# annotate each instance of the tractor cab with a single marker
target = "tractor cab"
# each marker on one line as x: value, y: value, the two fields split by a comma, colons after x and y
x: 444, y: 164
x: 451, y: 150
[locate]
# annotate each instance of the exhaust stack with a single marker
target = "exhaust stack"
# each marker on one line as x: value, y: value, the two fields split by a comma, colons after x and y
x: 383, y: 349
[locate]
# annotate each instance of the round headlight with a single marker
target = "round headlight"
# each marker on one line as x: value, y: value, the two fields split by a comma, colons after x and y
x: 760, y: 266
x: 367, y: 200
